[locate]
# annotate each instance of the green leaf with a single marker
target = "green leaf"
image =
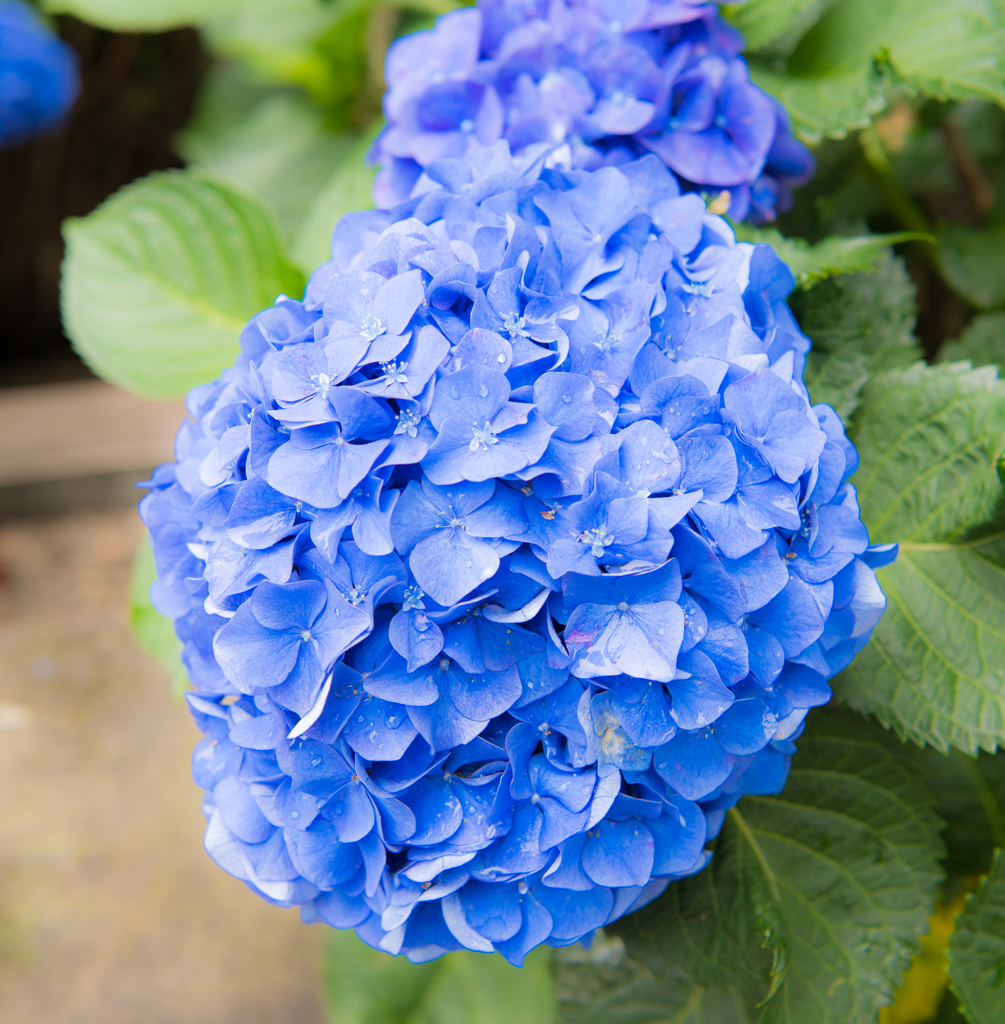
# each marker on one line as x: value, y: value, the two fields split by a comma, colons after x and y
x: 280, y: 151
x: 971, y: 800
x: 348, y: 189
x: 154, y: 632
x: 141, y: 15
x: 834, y: 255
x: 839, y: 871
x: 160, y: 279
x: 839, y: 74
x: 603, y: 985
x: 275, y: 38
x: 928, y: 439
x: 977, y: 951
x: 982, y: 343
x: 860, y: 324
x: 366, y: 986
x: 764, y: 22
x: 972, y: 261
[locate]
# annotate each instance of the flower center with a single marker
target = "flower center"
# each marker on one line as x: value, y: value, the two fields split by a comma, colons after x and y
x: 370, y: 327
x: 515, y: 325
x: 324, y: 383
x: 394, y: 373
x: 408, y: 423
x: 482, y: 438
x: 598, y: 540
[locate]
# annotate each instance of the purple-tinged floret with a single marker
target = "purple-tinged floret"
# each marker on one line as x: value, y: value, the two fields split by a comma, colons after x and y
x: 585, y: 84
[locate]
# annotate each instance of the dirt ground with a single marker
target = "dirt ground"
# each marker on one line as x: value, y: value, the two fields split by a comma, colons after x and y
x: 110, y: 910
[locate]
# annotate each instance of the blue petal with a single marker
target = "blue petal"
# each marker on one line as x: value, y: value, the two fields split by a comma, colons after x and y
x: 619, y: 853
x: 437, y: 810
x: 575, y: 914
x: 746, y: 726
x: 679, y: 834
x: 694, y: 763
x: 320, y: 857
x: 492, y: 910
x: 240, y: 811
x: 379, y: 730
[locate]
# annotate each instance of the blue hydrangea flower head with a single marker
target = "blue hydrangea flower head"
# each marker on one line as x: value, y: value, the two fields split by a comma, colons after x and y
x: 507, y: 559
x: 38, y: 74
x: 594, y: 84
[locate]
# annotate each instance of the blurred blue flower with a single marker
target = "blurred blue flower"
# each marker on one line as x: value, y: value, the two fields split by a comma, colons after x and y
x: 509, y: 559
x: 38, y: 74
x: 584, y: 84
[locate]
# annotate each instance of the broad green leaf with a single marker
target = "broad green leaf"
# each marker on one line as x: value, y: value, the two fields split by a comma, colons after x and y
x: 280, y: 151
x: 141, y: 15
x: 983, y: 343
x: 840, y: 870
x: 971, y: 800
x: 843, y: 67
x: 154, y: 632
x: 949, y: 51
x: 603, y: 985
x: 160, y: 279
x: 347, y: 189
x: 766, y: 22
x: 366, y: 986
x: 834, y: 255
x: 929, y: 438
x: 860, y: 324
x: 972, y: 261
x: 977, y: 951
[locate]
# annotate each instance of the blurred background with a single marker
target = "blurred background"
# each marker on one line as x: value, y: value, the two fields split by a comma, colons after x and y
x: 109, y: 909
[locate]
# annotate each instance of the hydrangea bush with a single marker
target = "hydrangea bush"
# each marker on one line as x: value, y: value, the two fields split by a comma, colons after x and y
x: 38, y: 74
x: 508, y: 559
x: 512, y: 553
x: 596, y: 83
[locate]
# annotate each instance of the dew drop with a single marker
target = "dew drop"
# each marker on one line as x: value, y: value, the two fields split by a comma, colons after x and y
x: 501, y: 357
x: 483, y: 392
x: 567, y: 398
x: 294, y: 814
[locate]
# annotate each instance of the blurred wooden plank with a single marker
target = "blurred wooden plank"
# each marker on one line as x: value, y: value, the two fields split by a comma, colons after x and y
x: 80, y: 429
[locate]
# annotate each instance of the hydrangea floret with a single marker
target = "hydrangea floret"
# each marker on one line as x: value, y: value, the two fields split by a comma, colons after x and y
x: 597, y: 83
x: 508, y: 559
x: 38, y: 74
